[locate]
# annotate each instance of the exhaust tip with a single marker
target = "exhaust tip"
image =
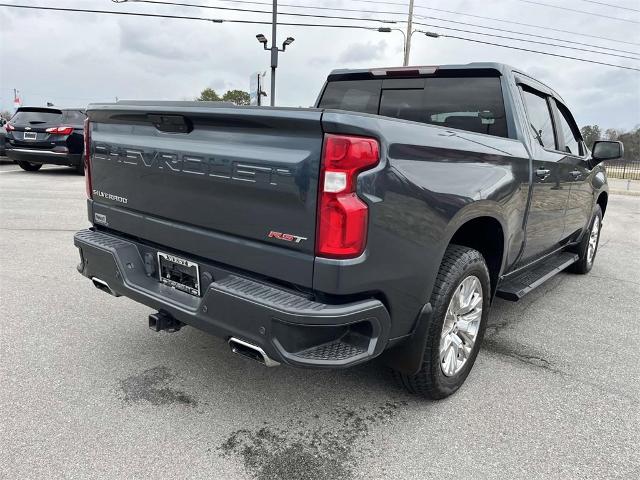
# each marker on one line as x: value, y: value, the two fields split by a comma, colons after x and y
x: 240, y: 347
x: 104, y: 286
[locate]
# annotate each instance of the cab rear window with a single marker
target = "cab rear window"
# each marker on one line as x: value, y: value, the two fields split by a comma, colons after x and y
x: 468, y: 103
x: 353, y: 95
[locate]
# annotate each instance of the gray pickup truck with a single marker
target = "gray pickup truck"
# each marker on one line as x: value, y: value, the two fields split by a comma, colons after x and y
x: 381, y: 223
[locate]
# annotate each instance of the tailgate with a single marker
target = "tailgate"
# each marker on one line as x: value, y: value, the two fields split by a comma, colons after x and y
x: 234, y: 185
x: 30, y: 125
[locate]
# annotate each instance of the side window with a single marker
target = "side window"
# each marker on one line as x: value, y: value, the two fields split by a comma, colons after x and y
x: 567, y: 132
x: 540, y: 121
x: 475, y: 104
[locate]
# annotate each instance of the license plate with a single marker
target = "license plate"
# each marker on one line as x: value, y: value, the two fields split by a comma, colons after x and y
x: 179, y: 273
x: 30, y: 135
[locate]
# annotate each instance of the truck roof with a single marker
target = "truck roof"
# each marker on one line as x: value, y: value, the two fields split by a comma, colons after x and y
x: 382, y: 72
x: 500, y: 67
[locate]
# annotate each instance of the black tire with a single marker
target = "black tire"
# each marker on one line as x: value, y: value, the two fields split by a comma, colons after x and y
x: 584, y: 263
x: 458, y: 263
x: 80, y: 168
x: 29, y: 167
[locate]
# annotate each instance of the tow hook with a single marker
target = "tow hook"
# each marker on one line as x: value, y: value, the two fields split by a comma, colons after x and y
x: 163, y: 321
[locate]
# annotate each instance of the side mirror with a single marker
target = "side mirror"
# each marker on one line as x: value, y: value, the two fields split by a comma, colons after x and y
x: 606, y: 150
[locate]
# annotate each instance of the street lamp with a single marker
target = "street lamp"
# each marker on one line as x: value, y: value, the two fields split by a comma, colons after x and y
x: 274, y: 60
x: 389, y: 29
x: 288, y: 41
x: 262, y: 39
x: 404, y: 36
x: 274, y: 49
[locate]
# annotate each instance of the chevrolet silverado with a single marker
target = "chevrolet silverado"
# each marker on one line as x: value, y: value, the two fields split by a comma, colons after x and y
x: 381, y: 223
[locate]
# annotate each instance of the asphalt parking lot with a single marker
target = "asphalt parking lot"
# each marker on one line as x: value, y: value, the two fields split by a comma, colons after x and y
x: 88, y: 391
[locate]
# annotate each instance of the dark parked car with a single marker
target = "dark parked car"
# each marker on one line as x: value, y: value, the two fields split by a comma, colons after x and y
x: 3, y: 137
x: 38, y: 136
x: 381, y: 223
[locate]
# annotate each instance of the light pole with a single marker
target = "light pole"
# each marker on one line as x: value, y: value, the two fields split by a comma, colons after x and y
x: 389, y: 29
x: 405, y: 54
x: 407, y: 38
x: 274, y: 49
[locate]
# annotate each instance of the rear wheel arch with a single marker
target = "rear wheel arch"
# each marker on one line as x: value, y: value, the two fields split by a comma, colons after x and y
x: 419, y: 364
x: 486, y: 235
x: 483, y: 233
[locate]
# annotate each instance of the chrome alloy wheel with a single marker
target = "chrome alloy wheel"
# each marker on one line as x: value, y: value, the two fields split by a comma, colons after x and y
x: 461, y: 325
x: 593, y: 240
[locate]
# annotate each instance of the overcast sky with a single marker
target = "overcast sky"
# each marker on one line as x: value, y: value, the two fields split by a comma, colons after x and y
x: 72, y: 59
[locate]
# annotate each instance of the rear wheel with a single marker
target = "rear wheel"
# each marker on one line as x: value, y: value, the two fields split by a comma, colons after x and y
x: 30, y: 167
x: 460, y: 302
x: 588, y: 246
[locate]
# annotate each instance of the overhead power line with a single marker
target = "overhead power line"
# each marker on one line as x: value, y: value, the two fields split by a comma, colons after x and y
x: 422, y: 7
x: 523, y: 24
x: 380, y: 2
x: 343, y: 9
x: 247, y: 10
x: 493, y: 19
x: 610, y: 5
x: 361, y: 27
x: 524, y: 40
x: 545, y: 37
x: 179, y: 17
x: 575, y: 10
x: 183, y: 4
x: 435, y: 35
x: 383, y: 2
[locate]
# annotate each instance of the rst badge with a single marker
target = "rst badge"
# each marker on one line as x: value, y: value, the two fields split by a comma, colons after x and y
x: 287, y: 237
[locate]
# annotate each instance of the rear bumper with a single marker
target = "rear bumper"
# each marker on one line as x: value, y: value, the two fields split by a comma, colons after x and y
x: 34, y: 155
x: 289, y: 327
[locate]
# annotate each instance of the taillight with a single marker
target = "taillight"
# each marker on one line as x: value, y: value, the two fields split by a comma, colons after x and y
x: 9, y: 128
x: 60, y: 130
x: 87, y: 156
x: 342, y: 215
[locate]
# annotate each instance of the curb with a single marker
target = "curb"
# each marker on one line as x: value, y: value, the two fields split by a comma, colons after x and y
x: 629, y: 193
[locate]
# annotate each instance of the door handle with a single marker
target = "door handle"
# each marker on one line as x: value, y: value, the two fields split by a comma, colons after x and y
x: 543, y: 173
x: 576, y: 174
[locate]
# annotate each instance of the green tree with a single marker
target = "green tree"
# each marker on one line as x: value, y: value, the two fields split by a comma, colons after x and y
x: 630, y: 139
x: 612, y: 134
x: 591, y: 133
x: 631, y: 142
x: 239, y: 97
x: 208, y: 95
